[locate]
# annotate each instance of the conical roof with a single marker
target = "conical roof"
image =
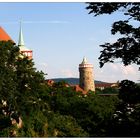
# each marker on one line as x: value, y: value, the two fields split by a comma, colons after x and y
x: 21, y: 43
x: 84, y: 60
x: 85, y: 64
x: 21, y: 40
x: 4, y: 36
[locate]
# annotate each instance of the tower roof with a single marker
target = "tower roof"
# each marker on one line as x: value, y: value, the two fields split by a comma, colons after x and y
x: 84, y: 60
x: 4, y: 36
x: 21, y: 41
x: 85, y: 64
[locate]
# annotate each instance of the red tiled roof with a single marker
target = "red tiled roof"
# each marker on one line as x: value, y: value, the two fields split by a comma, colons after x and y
x: 50, y: 82
x: 4, y: 36
x: 105, y: 85
x: 78, y: 88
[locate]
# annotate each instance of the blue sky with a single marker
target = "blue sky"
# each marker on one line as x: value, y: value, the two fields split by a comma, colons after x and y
x: 61, y: 34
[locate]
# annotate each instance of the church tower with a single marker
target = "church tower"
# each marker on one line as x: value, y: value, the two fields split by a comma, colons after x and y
x: 25, y: 51
x: 86, y: 79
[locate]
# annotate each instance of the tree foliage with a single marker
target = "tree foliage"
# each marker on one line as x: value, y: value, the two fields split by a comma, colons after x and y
x: 125, y: 121
x: 129, y: 92
x: 127, y: 47
x: 19, y: 80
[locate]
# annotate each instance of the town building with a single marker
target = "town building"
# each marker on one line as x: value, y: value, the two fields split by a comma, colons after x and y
x: 102, y: 86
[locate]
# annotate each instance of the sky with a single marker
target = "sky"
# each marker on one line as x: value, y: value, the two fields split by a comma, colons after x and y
x: 61, y: 34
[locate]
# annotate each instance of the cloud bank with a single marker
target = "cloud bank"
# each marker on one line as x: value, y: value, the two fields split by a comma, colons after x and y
x: 113, y: 72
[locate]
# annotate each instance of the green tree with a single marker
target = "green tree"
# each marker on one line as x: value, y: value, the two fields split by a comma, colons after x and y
x: 20, y: 84
x: 125, y: 122
x: 129, y: 92
x: 64, y: 126
x: 97, y: 115
x: 129, y: 43
x: 92, y: 113
x: 110, y: 90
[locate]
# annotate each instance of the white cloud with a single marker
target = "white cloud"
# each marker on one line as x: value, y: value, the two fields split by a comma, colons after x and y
x: 126, y: 70
x: 114, y: 67
x: 129, y: 70
x: 112, y: 72
x: 68, y: 73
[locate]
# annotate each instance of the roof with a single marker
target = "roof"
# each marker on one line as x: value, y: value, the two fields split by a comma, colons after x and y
x: 84, y: 61
x: 21, y: 40
x: 105, y: 85
x: 85, y: 64
x: 21, y: 43
x: 4, y: 36
x: 50, y: 82
x: 77, y: 88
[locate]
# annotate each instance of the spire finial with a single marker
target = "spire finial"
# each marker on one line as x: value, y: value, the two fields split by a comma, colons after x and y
x: 21, y: 40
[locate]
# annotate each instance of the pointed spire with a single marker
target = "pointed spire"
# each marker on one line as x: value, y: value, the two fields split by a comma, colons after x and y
x: 21, y: 40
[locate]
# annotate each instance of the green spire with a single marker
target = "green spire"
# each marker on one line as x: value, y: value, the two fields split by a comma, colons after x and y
x: 21, y: 40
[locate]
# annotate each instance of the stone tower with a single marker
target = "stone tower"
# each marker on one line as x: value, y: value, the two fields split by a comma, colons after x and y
x: 86, y: 79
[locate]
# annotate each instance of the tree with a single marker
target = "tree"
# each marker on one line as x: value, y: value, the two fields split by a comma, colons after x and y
x: 25, y: 96
x: 110, y: 90
x: 92, y: 113
x: 20, y: 85
x: 125, y: 122
x: 127, y: 47
x: 129, y: 92
x: 64, y: 126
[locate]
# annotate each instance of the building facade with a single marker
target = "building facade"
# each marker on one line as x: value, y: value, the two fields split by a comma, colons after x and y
x: 86, y: 79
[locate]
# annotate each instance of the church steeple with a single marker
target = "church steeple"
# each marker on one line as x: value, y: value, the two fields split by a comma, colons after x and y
x: 25, y: 51
x: 21, y: 40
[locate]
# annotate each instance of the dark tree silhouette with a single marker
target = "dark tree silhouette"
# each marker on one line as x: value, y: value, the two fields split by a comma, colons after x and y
x: 129, y: 92
x: 126, y: 48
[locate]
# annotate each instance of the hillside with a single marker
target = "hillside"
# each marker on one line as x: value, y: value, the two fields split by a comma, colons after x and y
x: 72, y: 81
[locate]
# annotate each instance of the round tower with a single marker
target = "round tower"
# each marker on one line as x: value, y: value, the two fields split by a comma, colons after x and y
x: 25, y: 51
x: 86, y: 80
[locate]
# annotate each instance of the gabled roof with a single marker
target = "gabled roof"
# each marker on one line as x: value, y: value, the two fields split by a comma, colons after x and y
x: 4, y: 36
